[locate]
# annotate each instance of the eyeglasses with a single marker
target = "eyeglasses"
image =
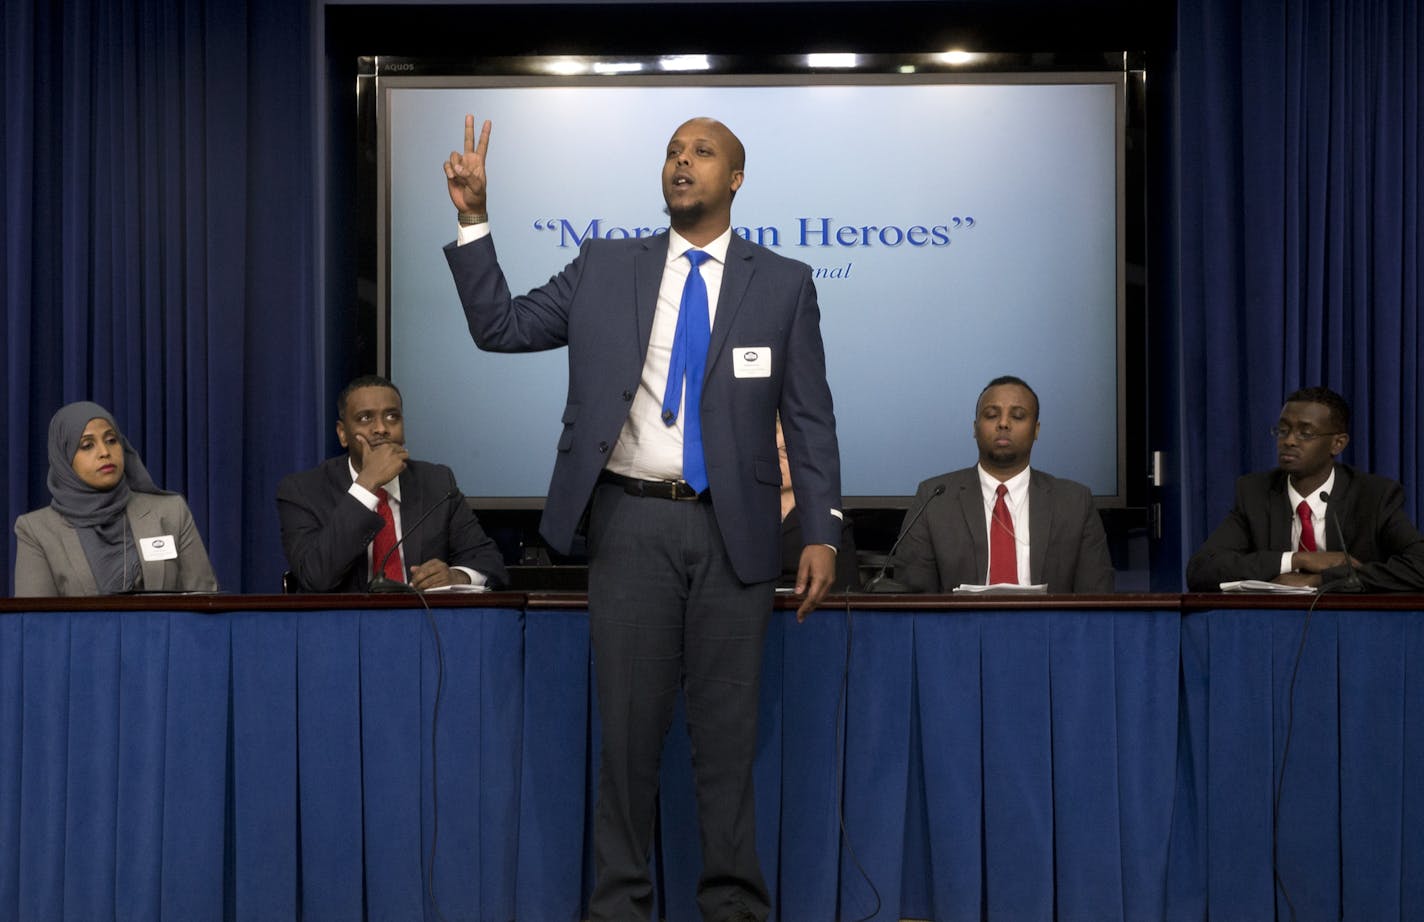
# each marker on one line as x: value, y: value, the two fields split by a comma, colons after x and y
x: 1281, y: 433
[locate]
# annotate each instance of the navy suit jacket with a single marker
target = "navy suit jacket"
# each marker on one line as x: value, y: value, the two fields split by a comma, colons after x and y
x: 601, y: 307
x: 325, y: 530
x: 1366, y: 508
x: 949, y: 543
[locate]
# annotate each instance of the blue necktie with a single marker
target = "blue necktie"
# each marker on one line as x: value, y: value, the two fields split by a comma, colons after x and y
x: 689, y: 362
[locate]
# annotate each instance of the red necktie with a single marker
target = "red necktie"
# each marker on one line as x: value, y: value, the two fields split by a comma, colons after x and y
x: 385, y: 540
x: 1307, y: 530
x: 1003, y: 557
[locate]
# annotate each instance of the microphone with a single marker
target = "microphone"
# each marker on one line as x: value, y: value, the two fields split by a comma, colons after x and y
x: 879, y: 583
x: 382, y: 583
x: 1350, y: 582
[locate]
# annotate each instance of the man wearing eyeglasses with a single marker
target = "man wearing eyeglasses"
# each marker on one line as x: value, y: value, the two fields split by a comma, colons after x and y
x: 1294, y: 525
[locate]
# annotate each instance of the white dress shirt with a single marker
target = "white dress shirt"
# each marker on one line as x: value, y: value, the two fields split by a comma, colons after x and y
x: 648, y: 448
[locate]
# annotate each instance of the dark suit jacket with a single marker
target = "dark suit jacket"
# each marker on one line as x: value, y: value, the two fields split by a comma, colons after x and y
x: 325, y: 530
x: 1365, y: 508
x: 49, y: 560
x: 949, y: 544
x: 601, y: 306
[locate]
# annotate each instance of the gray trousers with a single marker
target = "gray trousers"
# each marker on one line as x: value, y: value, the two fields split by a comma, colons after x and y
x: 666, y: 611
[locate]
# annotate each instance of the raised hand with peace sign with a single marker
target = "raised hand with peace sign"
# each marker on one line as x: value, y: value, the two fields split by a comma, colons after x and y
x: 465, y: 174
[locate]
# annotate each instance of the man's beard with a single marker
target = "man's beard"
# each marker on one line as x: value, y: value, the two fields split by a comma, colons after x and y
x: 1003, y: 457
x: 685, y: 215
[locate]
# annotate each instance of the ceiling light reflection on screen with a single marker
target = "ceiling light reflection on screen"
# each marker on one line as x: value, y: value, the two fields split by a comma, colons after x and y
x: 566, y: 67
x: 685, y: 62
x: 832, y: 59
x: 958, y: 58
x: 617, y: 67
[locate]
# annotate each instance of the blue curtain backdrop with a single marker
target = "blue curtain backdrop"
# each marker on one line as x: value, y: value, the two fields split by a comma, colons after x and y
x: 1299, y: 241
x: 158, y: 250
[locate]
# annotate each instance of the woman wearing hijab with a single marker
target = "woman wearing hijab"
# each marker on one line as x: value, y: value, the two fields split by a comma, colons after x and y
x: 108, y: 528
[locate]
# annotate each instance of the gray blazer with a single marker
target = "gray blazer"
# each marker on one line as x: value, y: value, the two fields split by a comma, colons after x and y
x: 49, y: 560
x: 949, y: 544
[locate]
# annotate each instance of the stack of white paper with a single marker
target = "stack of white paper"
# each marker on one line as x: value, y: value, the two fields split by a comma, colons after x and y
x: 1257, y: 585
x: 1015, y: 588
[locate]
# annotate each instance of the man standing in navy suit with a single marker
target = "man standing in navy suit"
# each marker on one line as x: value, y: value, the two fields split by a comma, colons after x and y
x: 682, y: 349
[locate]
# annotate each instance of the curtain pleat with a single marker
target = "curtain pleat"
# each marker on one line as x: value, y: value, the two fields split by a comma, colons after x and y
x: 90, y: 833
x: 949, y: 681
x: 264, y: 703
x: 1299, y: 251
x: 43, y: 758
x: 1345, y: 845
x: 557, y: 760
x: 142, y: 717
x: 12, y: 675
x: 158, y: 251
x: 1374, y: 776
x: 328, y: 743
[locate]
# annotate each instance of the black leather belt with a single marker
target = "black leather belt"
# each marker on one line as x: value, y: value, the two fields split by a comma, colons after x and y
x: 657, y: 489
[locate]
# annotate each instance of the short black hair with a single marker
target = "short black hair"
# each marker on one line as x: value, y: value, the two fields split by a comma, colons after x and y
x: 1008, y: 379
x: 357, y: 384
x: 1339, y: 409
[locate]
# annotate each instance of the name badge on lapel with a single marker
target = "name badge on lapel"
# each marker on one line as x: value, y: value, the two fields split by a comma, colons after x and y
x: 163, y: 547
x: 751, y: 361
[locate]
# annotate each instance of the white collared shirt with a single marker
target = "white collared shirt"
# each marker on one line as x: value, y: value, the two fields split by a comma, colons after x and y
x: 1016, y: 499
x: 648, y: 448
x: 1317, y: 516
x: 393, y: 496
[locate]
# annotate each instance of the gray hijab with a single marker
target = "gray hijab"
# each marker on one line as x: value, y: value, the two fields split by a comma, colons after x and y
x: 97, y: 515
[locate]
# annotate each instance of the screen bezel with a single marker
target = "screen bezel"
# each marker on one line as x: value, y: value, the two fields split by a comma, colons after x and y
x: 379, y: 74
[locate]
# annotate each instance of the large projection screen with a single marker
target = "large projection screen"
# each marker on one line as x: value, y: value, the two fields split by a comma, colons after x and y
x: 959, y: 227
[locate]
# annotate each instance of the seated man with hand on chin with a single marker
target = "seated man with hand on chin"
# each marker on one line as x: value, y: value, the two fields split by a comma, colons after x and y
x: 341, y: 520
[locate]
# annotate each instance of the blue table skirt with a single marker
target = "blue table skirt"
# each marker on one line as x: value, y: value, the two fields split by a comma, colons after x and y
x: 260, y: 765
x: 1019, y: 763
x: 1003, y: 765
x: 1351, y: 827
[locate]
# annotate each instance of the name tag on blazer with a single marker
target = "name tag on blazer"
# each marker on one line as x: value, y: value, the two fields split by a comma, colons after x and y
x: 163, y: 547
x: 751, y: 361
